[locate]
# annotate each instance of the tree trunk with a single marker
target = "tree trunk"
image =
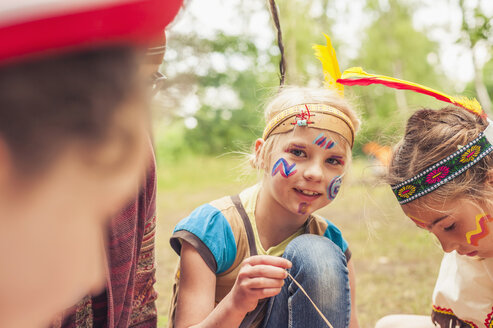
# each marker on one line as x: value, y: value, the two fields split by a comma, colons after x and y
x: 481, y: 90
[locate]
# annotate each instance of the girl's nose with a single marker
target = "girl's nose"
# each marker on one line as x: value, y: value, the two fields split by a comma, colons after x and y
x: 313, y: 172
x: 448, y: 246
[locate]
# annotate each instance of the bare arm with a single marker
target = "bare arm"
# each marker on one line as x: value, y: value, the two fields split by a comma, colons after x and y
x: 352, y: 283
x: 259, y: 277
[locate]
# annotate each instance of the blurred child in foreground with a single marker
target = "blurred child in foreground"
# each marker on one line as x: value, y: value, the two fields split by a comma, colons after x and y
x: 73, y: 144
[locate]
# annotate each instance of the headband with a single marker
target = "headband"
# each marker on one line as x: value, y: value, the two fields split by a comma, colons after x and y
x: 451, y: 166
x: 319, y: 116
x: 446, y: 169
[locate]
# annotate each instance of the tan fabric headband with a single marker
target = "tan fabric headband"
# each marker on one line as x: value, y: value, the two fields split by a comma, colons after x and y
x: 319, y: 116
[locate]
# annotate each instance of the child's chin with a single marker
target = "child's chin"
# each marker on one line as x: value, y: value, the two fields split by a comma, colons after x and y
x: 484, y: 254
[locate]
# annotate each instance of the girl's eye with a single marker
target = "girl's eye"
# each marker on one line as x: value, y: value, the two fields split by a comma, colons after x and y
x: 297, y: 152
x: 450, y: 227
x: 335, y: 161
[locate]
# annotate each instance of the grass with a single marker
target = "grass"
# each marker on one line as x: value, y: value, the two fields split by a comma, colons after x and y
x: 396, y: 263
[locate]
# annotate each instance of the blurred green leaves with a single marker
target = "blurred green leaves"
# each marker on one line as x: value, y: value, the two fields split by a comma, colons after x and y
x: 219, y: 83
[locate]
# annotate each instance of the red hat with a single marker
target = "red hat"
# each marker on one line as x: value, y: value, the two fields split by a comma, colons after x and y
x: 29, y: 27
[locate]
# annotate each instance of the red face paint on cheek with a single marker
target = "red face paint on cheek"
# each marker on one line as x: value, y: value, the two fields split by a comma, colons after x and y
x: 481, y: 230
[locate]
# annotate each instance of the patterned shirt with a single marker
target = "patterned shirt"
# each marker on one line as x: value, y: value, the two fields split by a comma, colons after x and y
x: 129, y: 297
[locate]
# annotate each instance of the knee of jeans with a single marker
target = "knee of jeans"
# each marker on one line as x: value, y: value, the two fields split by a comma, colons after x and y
x: 320, y: 266
x: 317, y: 256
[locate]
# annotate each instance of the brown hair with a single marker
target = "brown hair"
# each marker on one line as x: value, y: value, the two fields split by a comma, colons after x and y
x: 48, y: 104
x: 432, y: 135
x: 290, y: 96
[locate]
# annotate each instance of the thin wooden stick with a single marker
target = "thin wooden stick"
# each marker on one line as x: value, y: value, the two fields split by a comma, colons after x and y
x: 277, y: 24
x: 315, y: 306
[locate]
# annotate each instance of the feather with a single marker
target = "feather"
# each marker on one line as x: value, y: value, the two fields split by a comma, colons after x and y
x: 356, y: 76
x: 327, y: 55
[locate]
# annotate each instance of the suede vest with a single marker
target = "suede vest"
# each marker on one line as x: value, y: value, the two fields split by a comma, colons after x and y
x: 233, y: 210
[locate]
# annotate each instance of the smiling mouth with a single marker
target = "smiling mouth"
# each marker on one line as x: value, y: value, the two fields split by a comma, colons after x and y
x: 307, y: 192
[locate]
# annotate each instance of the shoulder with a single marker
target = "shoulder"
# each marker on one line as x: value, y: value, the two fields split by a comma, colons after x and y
x: 321, y: 226
x: 210, y: 230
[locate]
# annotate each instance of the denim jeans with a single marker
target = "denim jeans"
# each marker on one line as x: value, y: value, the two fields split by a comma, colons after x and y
x: 320, y: 267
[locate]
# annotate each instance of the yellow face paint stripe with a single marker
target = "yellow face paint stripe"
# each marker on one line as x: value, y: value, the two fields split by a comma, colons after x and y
x: 481, y: 230
x: 418, y: 222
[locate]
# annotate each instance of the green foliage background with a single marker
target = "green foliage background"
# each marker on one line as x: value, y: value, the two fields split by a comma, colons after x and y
x: 390, y: 45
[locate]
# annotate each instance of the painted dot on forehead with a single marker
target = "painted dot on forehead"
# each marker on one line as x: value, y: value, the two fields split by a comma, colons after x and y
x: 283, y: 168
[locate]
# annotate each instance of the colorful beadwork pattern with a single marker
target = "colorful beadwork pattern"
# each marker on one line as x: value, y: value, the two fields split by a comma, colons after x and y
x: 449, y: 312
x: 443, y: 171
x: 303, y: 118
x: 488, y: 322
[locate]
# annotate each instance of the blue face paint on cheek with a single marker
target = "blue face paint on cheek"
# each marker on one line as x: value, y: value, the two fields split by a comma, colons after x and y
x: 284, y: 168
x: 333, y: 187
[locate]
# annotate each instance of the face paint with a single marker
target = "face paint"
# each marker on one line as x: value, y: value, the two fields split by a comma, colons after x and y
x: 284, y: 168
x: 481, y: 230
x: 333, y: 187
x: 418, y: 222
x: 324, y: 142
x: 303, y: 208
x: 340, y: 158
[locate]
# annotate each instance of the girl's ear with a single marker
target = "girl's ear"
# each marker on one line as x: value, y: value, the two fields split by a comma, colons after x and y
x: 258, y: 161
x: 258, y: 145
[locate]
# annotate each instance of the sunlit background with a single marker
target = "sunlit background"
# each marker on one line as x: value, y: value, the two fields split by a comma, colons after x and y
x: 222, y: 64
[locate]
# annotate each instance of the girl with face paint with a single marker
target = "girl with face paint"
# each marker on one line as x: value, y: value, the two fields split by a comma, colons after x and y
x: 441, y: 175
x: 235, y: 251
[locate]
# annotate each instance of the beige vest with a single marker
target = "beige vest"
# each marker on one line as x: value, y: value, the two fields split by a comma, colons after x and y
x: 233, y: 211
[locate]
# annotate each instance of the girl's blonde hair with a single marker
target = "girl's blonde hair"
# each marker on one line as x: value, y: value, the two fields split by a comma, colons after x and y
x: 432, y: 135
x: 290, y: 96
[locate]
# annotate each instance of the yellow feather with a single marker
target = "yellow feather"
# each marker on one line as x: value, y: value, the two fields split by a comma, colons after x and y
x: 327, y: 55
x: 472, y: 104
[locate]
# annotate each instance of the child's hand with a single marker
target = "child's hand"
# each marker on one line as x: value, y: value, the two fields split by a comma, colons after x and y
x: 260, y: 277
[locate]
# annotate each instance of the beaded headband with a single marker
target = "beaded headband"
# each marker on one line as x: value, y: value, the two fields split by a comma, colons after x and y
x: 446, y: 169
x: 451, y: 166
x: 319, y: 116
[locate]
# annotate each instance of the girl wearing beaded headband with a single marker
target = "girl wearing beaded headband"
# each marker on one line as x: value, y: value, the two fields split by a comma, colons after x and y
x: 441, y: 173
x: 302, y: 154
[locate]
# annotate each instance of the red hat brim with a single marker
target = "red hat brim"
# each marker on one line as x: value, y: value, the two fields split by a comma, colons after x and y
x: 134, y: 22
